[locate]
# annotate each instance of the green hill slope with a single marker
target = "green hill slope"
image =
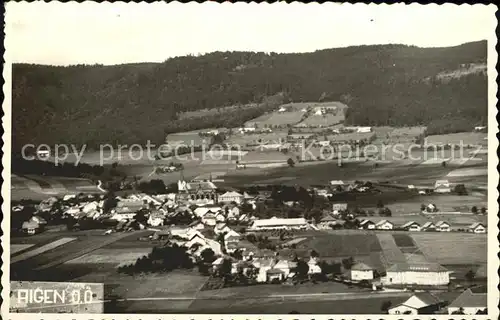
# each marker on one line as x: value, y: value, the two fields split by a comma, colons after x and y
x: 385, y: 84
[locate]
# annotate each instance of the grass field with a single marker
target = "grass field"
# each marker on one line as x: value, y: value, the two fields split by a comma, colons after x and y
x: 242, y: 140
x: 342, y: 306
x: 37, y: 187
x: 392, y: 135
x: 112, y: 256
x: 325, y: 120
x: 37, y: 251
x: 15, y: 248
x: 214, y: 111
x: 341, y: 245
x: 465, y: 138
x: 452, y: 248
x: 276, y: 119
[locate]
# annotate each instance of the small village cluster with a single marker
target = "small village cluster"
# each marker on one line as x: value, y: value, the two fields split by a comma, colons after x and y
x: 206, y: 207
x: 217, y: 223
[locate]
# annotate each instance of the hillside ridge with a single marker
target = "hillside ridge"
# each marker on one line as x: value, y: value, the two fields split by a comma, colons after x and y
x: 131, y: 103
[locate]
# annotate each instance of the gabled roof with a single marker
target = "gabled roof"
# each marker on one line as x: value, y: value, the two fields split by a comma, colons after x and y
x: 381, y: 222
x: 428, y: 225
x: 440, y: 223
x: 366, y: 221
x: 247, y: 196
x: 470, y: 299
x: 410, y: 223
x: 428, y: 298
x: 417, y: 267
x: 30, y: 225
x: 360, y: 266
x: 475, y: 225
x: 231, y: 194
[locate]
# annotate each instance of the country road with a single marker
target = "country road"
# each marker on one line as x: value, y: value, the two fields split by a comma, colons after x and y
x: 314, y: 296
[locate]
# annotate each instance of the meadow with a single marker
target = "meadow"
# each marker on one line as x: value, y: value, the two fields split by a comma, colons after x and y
x: 465, y: 138
x: 276, y: 119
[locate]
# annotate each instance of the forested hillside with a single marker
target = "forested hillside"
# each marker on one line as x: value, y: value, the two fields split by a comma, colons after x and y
x: 382, y: 85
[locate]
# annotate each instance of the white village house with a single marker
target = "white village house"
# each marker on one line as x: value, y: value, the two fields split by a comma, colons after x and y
x: 361, y: 271
x: 231, y: 196
x: 367, y: 224
x: 384, y: 225
x: 443, y: 226
x: 442, y: 186
x: 477, y: 227
x: 432, y: 274
x: 419, y: 303
x: 411, y: 226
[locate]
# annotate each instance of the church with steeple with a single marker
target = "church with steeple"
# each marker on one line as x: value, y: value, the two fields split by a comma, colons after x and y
x: 196, y: 192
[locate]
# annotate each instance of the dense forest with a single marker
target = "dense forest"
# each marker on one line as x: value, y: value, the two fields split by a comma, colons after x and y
x: 382, y: 84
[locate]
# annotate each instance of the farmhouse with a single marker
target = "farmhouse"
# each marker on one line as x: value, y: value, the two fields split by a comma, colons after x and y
x: 361, y: 271
x: 337, y: 207
x: 384, y: 225
x: 431, y: 274
x: 124, y: 213
x: 367, y: 224
x: 231, y: 196
x: 477, y: 227
x: 327, y: 222
x: 221, y: 228
x: 420, y: 303
x: 209, y: 219
x: 247, y: 129
x: 280, y: 223
x: 156, y: 219
x: 442, y: 186
x: 337, y: 183
x: 411, y: 226
x: 428, y: 226
x: 471, y: 301
x: 31, y: 227
x: 443, y: 226
x: 313, y: 266
x: 201, y: 211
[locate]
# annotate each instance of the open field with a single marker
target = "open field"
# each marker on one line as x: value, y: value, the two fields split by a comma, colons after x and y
x: 276, y: 119
x: 325, y: 120
x: 113, y: 256
x: 452, y: 248
x: 341, y: 305
x: 213, y: 112
x: 465, y: 138
x: 15, y: 248
x: 43, y: 261
x: 37, y: 187
x: 249, y: 139
x: 33, y: 253
x: 341, y: 245
x: 392, y: 135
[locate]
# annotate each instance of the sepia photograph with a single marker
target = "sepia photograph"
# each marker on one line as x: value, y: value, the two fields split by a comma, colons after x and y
x: 234, y: 158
